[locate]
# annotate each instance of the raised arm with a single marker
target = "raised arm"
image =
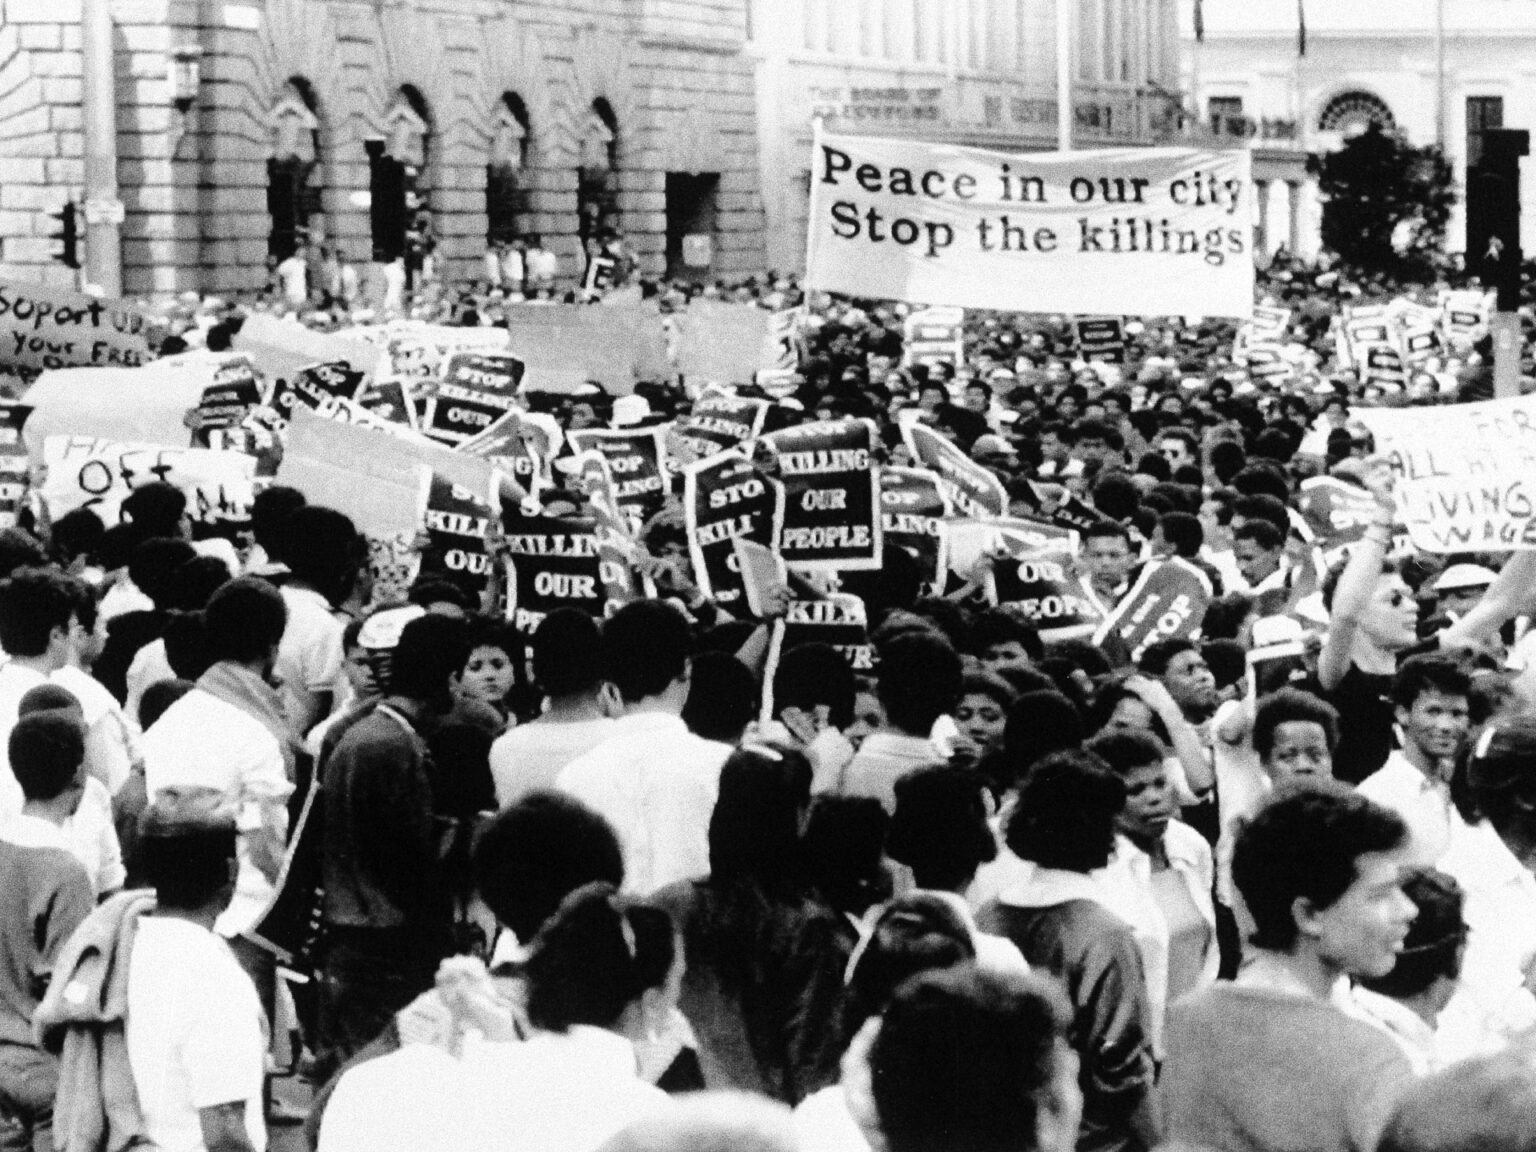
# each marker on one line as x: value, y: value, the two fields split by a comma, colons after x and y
x: 1358, y: 580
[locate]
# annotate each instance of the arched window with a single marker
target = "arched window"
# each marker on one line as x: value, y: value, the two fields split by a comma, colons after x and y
x: 293, y: 199
x: 597, y: 189
x: 505, y: 196
x: 400, y: 166
x: 1351, y: 113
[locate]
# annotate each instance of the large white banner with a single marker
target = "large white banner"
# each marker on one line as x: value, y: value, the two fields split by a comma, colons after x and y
x: 1126, y: 231
x: 1466, y: 472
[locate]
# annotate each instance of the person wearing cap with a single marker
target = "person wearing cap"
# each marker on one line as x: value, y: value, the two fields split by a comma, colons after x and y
x: 1460, y: 587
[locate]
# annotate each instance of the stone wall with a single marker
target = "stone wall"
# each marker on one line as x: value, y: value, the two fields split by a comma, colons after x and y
x: 672, y: 71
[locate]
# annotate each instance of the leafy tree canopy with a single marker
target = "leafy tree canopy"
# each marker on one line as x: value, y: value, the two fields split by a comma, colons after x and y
x: 1386, y: 204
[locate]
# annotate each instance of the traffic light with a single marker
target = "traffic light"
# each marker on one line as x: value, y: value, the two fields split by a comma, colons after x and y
x: 68, y: 236
x: 1493, y: 214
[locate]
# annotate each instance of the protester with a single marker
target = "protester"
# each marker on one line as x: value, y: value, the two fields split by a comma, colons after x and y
x: 1065, y: 825
x: 765, y: 960
x: 654, y: 780
x: 1321, y: 873
x: 46, y: 895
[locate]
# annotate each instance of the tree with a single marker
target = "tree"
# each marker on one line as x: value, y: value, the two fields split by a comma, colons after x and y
x: 1386, y: 204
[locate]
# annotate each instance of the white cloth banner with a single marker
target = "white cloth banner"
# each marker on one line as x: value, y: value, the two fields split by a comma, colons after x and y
x: 1467, y: 472
x: 1127, y: 231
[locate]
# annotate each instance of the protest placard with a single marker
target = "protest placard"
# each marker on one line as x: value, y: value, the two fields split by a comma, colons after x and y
x: 1464, y: 313
x: 1383, y: 367
x: 43, y: 328
x: 637, y: 460
x: 498, y: 372
x: 621, y: 573
x: 725, y: 497
x: 1269, y: 322
x: 934, y: 336
x: 518, y: 446
x: 720, y: 341
x: 969, y: 488
x: 1043, y: 588
x: 602, y: 271
x: 1101, y: 338
x: 317, y: 387
x: 279, y: 348
x: 373, y: 451
x: 719, y: 421
x: 1130, y: 231
x: 971, y: 538
x: 456, y: 520
x: 133, y: 405
x: 14, y: 461
x: 831, y: 494
x: 839, y: 620
x: 554, y: 562
x: 1167, y: 602
x: 456, y: 413
x: 1467, y: 472
x: 565, y: 346
x: 1336, y: 512
x: 234, y: 392
x: 912, y: 517
x: 392, y: 400
x: 89, y: 472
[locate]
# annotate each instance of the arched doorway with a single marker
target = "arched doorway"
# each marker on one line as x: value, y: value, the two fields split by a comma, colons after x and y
x: 400, y: 211
x: 1351, y: 113
x: 597, y: 188
x: 293, y: 191
x: 505, y: 195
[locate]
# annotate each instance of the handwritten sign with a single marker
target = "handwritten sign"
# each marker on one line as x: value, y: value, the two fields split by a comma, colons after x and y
x: 1468, y: 472
x: 42, y: 328
x: 725, y: 497
x: 87, y: 472
x: 970, y: 489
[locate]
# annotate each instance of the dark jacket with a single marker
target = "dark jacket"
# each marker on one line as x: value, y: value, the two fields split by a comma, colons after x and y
x: 761, y: 989
x: 1094, y: 954
x: 382, y: 843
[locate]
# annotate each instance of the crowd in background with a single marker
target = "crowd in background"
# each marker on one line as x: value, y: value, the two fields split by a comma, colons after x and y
x: 570, y: 889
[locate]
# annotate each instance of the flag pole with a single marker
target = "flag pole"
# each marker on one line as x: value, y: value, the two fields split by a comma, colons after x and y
x: 1064, y: 110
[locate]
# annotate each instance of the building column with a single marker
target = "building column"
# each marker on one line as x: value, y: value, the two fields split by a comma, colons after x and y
x: 1293, y: 204
x: 1261, y: 217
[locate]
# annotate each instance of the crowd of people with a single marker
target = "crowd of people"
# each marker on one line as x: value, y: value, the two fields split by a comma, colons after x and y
x: 1267, y: 886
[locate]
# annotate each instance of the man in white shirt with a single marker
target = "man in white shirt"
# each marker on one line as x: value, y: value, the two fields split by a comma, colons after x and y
x: 194, y: 1025
x: 655, y: 781
x: 39, y: 627
x: 1429, y: 696
x: 578, y: 714
x: 920, y: 681
x: 207, y: 742
x: 323, y: 552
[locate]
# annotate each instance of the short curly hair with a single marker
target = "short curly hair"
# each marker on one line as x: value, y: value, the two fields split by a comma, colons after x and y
x: 1066, y: 813
x: 1307, y: 845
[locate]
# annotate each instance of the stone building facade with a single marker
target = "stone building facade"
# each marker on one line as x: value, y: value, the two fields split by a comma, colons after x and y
x: 1437, y: 71
x: 542, y: 117
x: 682, y: 125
